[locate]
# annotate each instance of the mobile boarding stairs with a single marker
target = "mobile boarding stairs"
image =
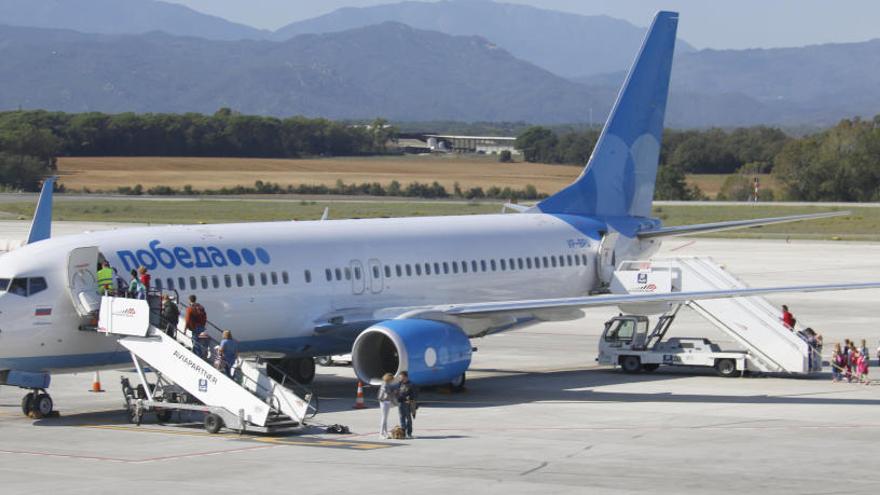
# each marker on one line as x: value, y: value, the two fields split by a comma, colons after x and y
x: 250, y: 401
x: 752, y: 322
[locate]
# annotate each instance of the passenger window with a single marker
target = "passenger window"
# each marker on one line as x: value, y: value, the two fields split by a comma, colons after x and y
x: 503, y: 264
x: 181, y: 283
x: 519, y: 262
x: 474, y: 266
x: 252, y: 280
x: 546, y: 262
x: 264, y: 279
x: 37, y: 284
x: 437, y: 268
x: 418, y: 269
x: 464, y: 267
x: 18, y: 286
x: 584, y: 258
x: 308, y: 275
x: 553, y: 261
x: 158, y: 283
x: 238, y: 280
x: 215, y: 281
x: 338, y: 274
x: 492, y: 263
x: 375, y: 272
x: 454, y: 267
x: 483, y: 265
x: 347, y: 272
x: 327, y: 273
x: 408, y: 271
x: 529, y: 263
x: 577, y: 260
x: 228, y: 280
x: 204, y: 282
x: 275, y: 278
x: 357, y: 273
x: 192, y: 283
x: 446, y: 268
x: 285, y: 278
x: 170, y: 283
x: 398, y: 271
x: 427, y: 268
x: 537, y: 263
x: 387, y: 271
x: 570, y: 261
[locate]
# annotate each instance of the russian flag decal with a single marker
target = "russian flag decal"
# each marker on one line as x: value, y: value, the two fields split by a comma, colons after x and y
x: 43, y: 312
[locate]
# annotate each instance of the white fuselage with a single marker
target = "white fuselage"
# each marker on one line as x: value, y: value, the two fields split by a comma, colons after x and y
x: 274, y: 283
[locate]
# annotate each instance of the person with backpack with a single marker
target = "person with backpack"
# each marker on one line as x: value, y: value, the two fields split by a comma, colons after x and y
x: 196, y: 319
x: 145, y: 279
x: 134, y: 285
x: 170, y: 315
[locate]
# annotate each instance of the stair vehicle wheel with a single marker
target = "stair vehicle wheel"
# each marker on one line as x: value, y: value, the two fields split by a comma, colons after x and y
x: 324, y: 361
x: 164, y: 415
x: 726, y: 367
x: 213, y: 423
x: 650, y: 367
x: 631, y: 364
x: 27, y: 403
x: 457, y: 384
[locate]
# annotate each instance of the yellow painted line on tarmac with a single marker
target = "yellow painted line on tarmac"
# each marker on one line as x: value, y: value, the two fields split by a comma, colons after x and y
x: 292, y: 441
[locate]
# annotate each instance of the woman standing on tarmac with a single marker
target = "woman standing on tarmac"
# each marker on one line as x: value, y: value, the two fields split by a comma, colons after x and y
x: 387, y: 397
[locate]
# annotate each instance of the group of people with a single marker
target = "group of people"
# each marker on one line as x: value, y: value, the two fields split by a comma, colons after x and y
x: 195, y: 322
x: 110, y: 283
x: 850, y: 363
x: 401, y: 393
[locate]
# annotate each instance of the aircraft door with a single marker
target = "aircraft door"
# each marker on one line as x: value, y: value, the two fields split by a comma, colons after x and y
x: 377, y: 282
x: 82, y: 282
x: 607, y: 257
x: 358, y: 277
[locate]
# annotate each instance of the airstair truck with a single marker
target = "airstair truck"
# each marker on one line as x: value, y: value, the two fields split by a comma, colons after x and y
x: 752, y: 322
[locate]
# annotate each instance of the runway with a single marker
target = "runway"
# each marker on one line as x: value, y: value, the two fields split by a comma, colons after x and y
x: 538, y: 416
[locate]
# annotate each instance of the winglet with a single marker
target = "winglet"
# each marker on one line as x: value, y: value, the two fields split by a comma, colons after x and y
x: 41, y: 226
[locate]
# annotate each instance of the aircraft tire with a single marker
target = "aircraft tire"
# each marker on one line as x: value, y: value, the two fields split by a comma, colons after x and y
x: 300, y: 369
x: 27, y: 403
x: 43, y: 405
x: 324, y: 361
x: 457, y: 384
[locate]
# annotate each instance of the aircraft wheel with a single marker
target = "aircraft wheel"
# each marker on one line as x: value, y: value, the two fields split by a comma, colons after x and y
x: 213, y: 423
x: 457, y: 384
x: 726, y: 367
x: 300, y: 369
x: 27, y: 403
x: 324, y: 361
x: 631, y: 364
x: 42, y: 406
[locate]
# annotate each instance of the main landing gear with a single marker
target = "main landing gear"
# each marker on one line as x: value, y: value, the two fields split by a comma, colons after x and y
x: 37, y: 404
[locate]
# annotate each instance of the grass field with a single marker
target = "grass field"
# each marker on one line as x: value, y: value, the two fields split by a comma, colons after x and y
x: 110, y: 173
x: 862, y: 224
x: 711, y: 184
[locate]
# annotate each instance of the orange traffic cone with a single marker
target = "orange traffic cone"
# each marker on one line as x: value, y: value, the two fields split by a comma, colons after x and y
x: 359, y: 401
x: 96, y: 383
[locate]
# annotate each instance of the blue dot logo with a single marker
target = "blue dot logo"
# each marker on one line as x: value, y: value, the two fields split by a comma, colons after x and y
x: 233, y: 257
x: 248, y: 256
x: 263, y: 255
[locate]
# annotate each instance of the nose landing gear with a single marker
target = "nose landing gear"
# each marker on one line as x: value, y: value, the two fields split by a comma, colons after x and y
x: 37, y: 404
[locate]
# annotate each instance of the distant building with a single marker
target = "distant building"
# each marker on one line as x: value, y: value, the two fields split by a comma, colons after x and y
x: 489, y: 145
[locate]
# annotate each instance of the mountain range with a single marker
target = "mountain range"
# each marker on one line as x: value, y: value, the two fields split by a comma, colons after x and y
x: 459, y: 60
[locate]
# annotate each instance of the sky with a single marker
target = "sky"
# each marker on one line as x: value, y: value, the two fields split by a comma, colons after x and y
x: 719, y: 24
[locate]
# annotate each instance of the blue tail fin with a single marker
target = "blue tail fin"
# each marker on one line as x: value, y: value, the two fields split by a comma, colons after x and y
x: 41, y: 226
x: 619, y: 177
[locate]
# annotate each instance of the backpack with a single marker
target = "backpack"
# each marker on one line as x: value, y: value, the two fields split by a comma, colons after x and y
x: 198, y: 314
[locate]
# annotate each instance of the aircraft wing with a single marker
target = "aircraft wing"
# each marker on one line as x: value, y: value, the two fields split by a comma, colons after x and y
x: 479, y: 319
x: 702, y: 228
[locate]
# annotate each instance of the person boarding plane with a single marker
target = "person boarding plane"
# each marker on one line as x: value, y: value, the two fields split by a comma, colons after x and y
x: 400, y: 294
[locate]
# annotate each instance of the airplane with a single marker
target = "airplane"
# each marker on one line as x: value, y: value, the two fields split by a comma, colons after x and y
x: 398, y: 293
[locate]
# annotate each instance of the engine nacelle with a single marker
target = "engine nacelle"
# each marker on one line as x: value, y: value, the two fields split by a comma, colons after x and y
x: 432, y: 352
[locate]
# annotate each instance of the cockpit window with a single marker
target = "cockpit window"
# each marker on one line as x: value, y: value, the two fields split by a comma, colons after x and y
x: 37, y: 284
x: 18, y: 286
x: 23, y: 286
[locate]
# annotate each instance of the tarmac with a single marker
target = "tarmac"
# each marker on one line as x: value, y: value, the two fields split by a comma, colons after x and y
x: 538, y: 415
